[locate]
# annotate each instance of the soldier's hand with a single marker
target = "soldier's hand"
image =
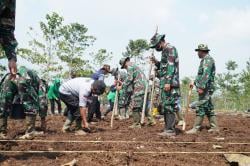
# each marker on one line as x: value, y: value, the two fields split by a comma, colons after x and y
x: 167, y: 87
x: 153, y: 59
x: 119, y: 87
x: 12, y: 67
x: 151, y: 77
x: 200, y: 91
x: 191, y: 85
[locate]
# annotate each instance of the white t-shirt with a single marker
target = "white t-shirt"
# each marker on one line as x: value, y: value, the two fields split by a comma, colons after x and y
x: 79, y: 87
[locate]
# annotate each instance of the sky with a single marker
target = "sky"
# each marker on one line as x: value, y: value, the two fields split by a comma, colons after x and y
x: 223, y: 25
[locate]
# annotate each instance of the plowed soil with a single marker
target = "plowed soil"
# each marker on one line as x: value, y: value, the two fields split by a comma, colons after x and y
x: 123, y: 146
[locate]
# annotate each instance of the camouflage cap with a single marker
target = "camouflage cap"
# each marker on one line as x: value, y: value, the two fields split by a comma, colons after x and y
x: 202, y: 47
x: 156, y: 40
x: 123, y: 61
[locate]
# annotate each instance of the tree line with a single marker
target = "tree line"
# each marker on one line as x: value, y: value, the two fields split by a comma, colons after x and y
x: 58, y: 49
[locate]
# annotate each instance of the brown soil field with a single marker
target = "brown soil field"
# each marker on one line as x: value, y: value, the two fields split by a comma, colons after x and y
x: 123, y: 146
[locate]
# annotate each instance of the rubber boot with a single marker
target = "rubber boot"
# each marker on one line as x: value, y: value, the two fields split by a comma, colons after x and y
x: 197, y: 125
x: 30, y: 127
x: 169, y: 130
x: 180, y: 118
x: 43, y: 124
x: 151, y: 120
x: 30, y: 123
x: 127, y: 113
x: 3, y: 127
x: 66, y: 125
x: 213, y: 124
x: 122, y: 114
x: 136, y: 119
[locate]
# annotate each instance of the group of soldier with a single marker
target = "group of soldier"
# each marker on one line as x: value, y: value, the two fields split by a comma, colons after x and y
x: 78, y: 93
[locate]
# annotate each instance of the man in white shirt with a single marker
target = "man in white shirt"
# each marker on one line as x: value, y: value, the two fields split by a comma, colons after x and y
x: 76, y: 93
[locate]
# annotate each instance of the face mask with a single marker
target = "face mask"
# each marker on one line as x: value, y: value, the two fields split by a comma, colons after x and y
x: 158, y: 48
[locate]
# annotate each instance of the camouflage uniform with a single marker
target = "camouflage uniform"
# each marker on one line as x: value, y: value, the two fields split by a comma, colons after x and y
x: 168, y: 74
x: 133, y: 91
x: 43, y: 102
x: 26, y: 85
x: 7, y: 27
x: 205, y: 81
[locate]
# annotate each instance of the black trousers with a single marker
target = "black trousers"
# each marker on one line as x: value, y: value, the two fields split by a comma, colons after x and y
x: 72, y: 104
x: 94, y: 108
x: 111, y: 106
x: 52, y: 104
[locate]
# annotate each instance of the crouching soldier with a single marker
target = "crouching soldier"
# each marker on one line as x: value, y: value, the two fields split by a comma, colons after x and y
x: 137, y: 80
x: 26, y: 85
x: 76, y: 93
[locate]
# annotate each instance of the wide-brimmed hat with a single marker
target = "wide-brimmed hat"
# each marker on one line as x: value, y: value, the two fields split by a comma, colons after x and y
x: 202, y: 47
x: 123, y: 61
x: 155, y: 40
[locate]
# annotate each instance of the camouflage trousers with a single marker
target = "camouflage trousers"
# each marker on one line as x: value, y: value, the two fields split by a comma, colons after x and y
x: 133, y: 101
x: 205, y: 106
x: 8, y: 42
x: 170, y: 100
x: 43, y: 108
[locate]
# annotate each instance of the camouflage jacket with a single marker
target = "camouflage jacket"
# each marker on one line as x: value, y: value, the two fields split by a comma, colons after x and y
x: 206, y: 74
x: 169, y: 67
x: 135, y: 79
x: 7, y: 14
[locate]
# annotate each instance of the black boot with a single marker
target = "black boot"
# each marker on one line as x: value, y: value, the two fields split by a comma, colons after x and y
x: 171, y: 123
x: 169, y: 130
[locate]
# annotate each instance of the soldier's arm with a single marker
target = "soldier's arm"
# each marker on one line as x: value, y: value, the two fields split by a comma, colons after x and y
x: 171, y: 67
x: 201, y: 82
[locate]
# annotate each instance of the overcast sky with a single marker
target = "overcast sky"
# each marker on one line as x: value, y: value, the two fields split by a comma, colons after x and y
x: 223, y: 25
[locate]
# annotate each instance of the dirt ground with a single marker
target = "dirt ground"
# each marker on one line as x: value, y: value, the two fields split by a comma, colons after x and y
x: 123, y: 146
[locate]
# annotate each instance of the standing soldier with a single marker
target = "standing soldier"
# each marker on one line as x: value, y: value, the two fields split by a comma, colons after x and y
x: 137, y: 81
x: 204, y: 83
x: 169, y: 81
x: 7, y: 27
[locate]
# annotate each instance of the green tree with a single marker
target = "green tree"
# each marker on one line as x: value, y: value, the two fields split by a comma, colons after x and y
x: 229, y: 86
x: 73, y: 43
x: 136, y: 49
x: 43, y: 51
x: 101, y: 57
x: 245, y: 79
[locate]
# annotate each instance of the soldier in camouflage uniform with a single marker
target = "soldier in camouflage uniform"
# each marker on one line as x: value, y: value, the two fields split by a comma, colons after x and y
x: 43, y: 102
x: 137, y: 81
x: 7, y: 27
x: 169, y: 81
x: 204, y: 83
x: 26, y: 85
